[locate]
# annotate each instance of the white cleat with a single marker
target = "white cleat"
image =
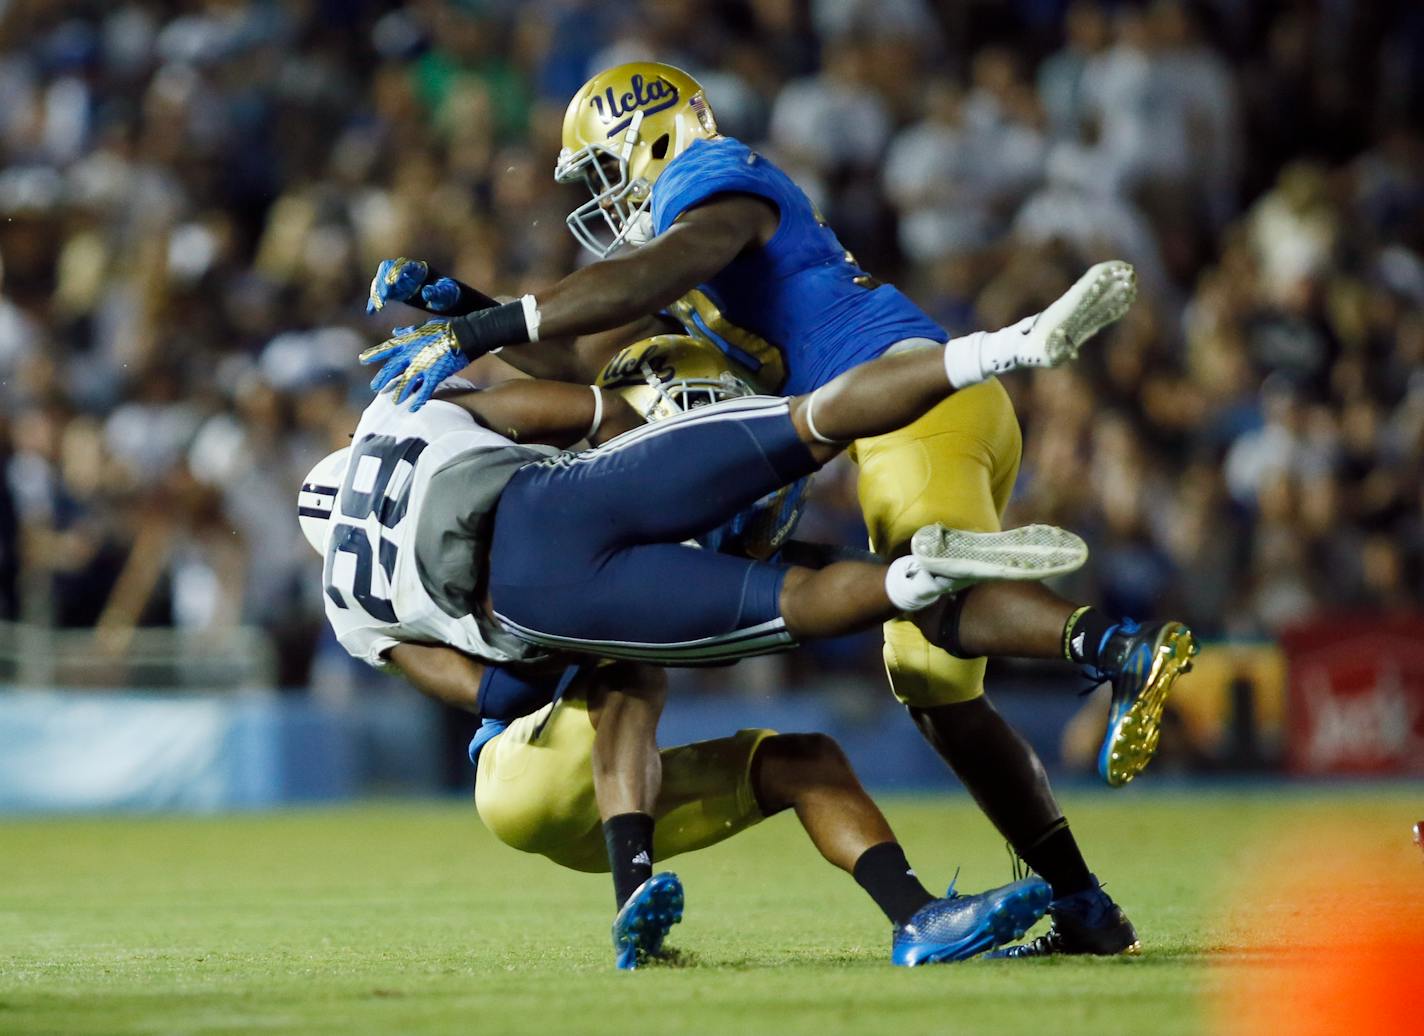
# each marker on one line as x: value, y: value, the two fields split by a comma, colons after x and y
x: 1031, y: 552
x: 1053, y: 337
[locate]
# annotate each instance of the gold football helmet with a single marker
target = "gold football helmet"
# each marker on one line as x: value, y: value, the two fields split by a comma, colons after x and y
x: 620, y: 131
x: 671, y: 374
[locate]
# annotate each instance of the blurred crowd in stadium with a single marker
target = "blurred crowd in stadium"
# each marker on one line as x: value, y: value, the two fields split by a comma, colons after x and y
x: 193, y: 197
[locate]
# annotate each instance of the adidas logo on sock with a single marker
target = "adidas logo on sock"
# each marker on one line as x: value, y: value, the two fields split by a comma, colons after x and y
x: 643, y: 858
x: 1078, y: 645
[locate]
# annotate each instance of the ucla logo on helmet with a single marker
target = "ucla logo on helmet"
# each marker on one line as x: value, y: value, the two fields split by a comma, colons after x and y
x: 629, y: 368
x: 650, y: 98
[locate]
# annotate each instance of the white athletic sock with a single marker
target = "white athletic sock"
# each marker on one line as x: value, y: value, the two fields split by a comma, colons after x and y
x: 983, y: 354
x: 911, y: 587
x: 961, y: 360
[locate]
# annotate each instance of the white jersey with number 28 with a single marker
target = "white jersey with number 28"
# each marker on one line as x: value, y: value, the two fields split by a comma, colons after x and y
x: 373, y: 592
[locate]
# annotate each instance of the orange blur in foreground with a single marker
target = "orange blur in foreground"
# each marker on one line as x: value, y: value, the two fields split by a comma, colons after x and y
x: 1332, y: 927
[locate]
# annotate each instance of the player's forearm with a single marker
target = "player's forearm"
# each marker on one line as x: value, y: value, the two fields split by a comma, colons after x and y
x: 602, y: 296
x: 582, y: 359
x: 550, y: 413
x: 441, y: 673
x: 554, y: 360
x: 597, y: 298
x: 606, y: 295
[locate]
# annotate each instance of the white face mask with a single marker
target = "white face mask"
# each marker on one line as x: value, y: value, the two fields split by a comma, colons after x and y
x: 604, y: 222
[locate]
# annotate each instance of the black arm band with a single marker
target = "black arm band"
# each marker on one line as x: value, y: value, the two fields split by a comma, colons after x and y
x: 487, y: 329
x: 469, y: 301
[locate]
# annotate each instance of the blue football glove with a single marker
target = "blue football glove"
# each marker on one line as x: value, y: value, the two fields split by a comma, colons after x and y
x: 402, y: 280
x: 440, y: 295
x: 415, y: 361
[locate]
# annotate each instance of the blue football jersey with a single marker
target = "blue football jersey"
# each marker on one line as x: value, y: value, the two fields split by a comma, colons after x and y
x: 797, y: 311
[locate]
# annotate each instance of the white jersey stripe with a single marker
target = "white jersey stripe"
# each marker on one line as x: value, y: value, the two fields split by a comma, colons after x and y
x: 745, y: 408
x: 761, y: 639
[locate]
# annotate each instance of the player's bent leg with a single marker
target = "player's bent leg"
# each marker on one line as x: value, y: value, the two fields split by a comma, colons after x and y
x: 707, y: 796
x: 578, y: 560
x: 897, y: 389
x: 1142, y: 661
x: 661, y: 483
x: 626, y: 703
x: 534, y: 783
x: 810, y: 773
x: 958, y: 465
x: 625, y: 706
x: 709, y: 792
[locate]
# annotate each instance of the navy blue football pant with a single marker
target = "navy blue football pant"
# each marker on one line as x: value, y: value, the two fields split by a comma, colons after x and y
x: 587, y: 553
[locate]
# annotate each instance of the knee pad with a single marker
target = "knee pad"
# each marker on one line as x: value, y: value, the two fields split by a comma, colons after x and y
x: 923, y: 675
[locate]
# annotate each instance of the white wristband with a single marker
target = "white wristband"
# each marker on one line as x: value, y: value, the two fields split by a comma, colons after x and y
x: 597, y: 409
x: 811, y: 420
x: 531, y: 316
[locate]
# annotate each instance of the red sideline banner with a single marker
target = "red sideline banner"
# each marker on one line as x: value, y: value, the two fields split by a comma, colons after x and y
x: 1355, y: 696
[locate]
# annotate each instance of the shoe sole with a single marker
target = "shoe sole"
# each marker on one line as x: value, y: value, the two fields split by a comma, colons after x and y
x: 1131, y: 746
x: 1017, y: 912
x: 1105, y: 293
x: 1030, y: 552
x: 656, y: 907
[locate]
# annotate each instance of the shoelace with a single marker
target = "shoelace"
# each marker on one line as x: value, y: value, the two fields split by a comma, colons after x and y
x: 949, y: 893
x: 1017, y: 867
x: 1047, y: 944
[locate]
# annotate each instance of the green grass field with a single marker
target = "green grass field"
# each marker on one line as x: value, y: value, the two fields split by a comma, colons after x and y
x: 409, y: 918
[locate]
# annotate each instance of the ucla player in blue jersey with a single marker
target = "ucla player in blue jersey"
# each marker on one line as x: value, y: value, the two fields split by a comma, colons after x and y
x: 733, y: 251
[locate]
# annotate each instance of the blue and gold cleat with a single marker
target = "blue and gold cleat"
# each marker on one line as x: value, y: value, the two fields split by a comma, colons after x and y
x: 1086, y: 923
x: 643, y: 923
x: 959, y: 927
x: 1143, y: 662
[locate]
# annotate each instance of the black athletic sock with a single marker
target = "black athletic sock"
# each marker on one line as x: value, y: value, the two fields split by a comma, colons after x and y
x: 1058, y: 860
x: 883, y: 871
x: 629, y: 837
x: 1083, y: 635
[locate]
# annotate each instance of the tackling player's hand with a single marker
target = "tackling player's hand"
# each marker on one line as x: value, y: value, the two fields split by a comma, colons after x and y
x: 416, y: 360
x: 408, y: 280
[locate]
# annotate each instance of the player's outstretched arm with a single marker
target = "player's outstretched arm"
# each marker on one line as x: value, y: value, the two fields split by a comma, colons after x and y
x: 552, y: 413
x: 597, y: 298
x: 644, y: 280
x: 440, y: 672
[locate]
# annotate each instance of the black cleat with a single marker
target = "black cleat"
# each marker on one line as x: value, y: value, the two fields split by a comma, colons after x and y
x: 1086, y: 923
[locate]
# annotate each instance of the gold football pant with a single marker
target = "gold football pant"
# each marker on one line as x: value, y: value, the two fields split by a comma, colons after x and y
x: 534, y: 789
x: 955, y: 465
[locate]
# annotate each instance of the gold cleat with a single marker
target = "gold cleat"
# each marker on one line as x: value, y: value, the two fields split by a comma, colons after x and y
x: 1143, y: 662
